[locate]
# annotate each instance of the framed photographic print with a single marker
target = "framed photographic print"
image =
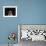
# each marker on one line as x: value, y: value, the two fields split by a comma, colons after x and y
x: 9, y: 11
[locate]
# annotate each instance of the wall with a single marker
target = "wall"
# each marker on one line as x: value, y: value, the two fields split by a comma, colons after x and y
x: 7, y: 25
x: 29, y: 12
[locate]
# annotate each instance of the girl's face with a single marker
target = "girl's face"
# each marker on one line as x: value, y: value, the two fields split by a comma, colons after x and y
x: 10, y: 13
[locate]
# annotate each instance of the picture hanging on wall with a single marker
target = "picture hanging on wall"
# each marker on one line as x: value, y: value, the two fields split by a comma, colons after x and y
x: 9, y: 11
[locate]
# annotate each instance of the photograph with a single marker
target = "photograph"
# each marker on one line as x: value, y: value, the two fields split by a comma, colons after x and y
x: 9, y: 11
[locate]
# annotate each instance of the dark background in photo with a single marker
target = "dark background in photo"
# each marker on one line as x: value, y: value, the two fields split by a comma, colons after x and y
x: 10, y: 9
